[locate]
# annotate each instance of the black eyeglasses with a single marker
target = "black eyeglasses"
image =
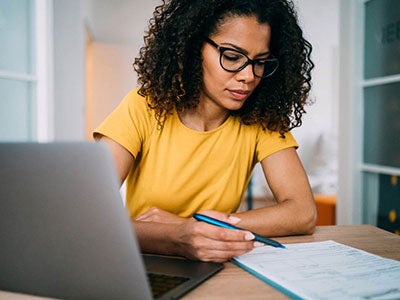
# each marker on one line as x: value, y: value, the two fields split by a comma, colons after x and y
x: 232, y: 60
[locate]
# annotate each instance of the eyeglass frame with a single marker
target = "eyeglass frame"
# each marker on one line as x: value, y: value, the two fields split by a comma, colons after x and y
x: 248, y: 62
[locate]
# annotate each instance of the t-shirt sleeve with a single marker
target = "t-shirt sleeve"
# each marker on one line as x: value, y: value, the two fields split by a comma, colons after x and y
x: 271, y: 141
x: 128, y: 123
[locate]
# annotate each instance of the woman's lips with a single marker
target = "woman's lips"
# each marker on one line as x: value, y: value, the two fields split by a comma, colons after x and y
x: 239, y: 94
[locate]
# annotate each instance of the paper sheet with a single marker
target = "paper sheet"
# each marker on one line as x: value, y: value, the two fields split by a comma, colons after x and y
x: 325, y: 270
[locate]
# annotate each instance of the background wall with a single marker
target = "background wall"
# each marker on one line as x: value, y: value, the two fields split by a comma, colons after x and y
x: 69, y: 70
x: 320, y: 21
x: 111, y: 77
x: 116, y: 29
x: 318, y: 136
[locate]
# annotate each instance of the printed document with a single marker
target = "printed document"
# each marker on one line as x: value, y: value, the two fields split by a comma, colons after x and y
x: 324, y: 270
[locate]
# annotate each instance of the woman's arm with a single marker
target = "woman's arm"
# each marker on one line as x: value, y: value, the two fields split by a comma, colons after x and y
x: 162, y: 232
x: 123, y: 159
x: 295, y: 212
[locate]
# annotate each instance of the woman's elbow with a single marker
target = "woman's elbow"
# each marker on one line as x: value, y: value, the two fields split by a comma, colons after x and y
x: 309, y: 220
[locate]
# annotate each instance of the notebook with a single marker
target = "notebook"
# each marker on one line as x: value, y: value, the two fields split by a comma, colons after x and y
x: 66, y: 234
x: 324, y: 270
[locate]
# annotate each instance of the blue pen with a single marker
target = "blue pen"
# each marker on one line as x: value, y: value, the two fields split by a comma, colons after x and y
x: 257, y: 237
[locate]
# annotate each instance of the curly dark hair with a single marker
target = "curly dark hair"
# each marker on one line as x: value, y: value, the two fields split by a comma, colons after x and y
x: 169, y: 65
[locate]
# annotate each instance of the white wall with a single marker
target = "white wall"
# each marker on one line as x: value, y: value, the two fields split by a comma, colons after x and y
x: 320, y: 23
x: 112, y: 77
x: 69, y: 70
x: 117, y: 29
x: 318, y: 136
x: 349, y: 204
x: 119, y: 21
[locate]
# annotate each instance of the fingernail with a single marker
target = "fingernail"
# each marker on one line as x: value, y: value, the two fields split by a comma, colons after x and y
x: 234, y: 219
x: 249, y: 236
x: 258, y: 244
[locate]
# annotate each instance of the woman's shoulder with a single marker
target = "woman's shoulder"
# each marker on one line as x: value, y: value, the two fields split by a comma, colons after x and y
x: 262, y: 134
x: 134, y: 99
x: 134, y: 109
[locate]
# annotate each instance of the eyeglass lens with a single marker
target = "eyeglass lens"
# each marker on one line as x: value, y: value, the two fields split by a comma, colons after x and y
x: 234, y: 61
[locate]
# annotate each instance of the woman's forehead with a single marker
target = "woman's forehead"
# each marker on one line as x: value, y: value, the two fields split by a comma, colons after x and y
x: 239, y: 23
x: 244, y: 31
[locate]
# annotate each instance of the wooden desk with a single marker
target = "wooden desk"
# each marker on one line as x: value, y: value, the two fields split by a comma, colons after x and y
x: 235, y: 283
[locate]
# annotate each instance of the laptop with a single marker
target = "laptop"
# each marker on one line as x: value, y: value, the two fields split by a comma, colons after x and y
x: 65, y: 233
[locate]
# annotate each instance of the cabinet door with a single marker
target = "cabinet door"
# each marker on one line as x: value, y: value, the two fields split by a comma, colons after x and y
x: 381, y: 114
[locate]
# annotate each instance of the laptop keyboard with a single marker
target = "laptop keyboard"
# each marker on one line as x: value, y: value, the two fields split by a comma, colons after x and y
x: 161, y: 283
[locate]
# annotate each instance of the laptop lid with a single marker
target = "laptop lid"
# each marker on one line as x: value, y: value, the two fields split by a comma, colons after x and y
x: 64, y: 231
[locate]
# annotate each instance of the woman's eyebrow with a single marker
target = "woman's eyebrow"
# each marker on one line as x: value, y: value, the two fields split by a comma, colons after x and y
x: 243, y: 50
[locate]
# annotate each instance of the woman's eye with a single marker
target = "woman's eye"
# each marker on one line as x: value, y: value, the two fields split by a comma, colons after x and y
x: 232, y: 56
x: 261, y: 62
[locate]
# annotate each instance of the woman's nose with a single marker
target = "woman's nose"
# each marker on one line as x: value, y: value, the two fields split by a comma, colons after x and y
x: 246, y: 74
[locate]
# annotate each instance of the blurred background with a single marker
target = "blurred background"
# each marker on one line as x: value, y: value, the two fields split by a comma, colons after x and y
x: 66, y: 64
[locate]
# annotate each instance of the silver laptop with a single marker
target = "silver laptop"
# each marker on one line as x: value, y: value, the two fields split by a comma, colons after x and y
x: 64, y: 232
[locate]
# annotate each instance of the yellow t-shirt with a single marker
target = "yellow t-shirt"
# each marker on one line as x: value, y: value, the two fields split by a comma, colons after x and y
x: 182, y: 170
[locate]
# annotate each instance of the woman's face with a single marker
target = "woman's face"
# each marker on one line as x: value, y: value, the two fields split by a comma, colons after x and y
x: 229, y: 90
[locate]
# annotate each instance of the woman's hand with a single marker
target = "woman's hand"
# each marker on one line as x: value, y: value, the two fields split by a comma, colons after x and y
x: 208, y: 242
x: 193, y: 239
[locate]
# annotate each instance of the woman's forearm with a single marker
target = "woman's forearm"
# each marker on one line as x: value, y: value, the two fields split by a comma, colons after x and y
x: 156, y: 237
x: 289, y: 217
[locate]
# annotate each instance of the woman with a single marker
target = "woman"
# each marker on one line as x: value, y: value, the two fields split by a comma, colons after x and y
x: 222, y: 82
